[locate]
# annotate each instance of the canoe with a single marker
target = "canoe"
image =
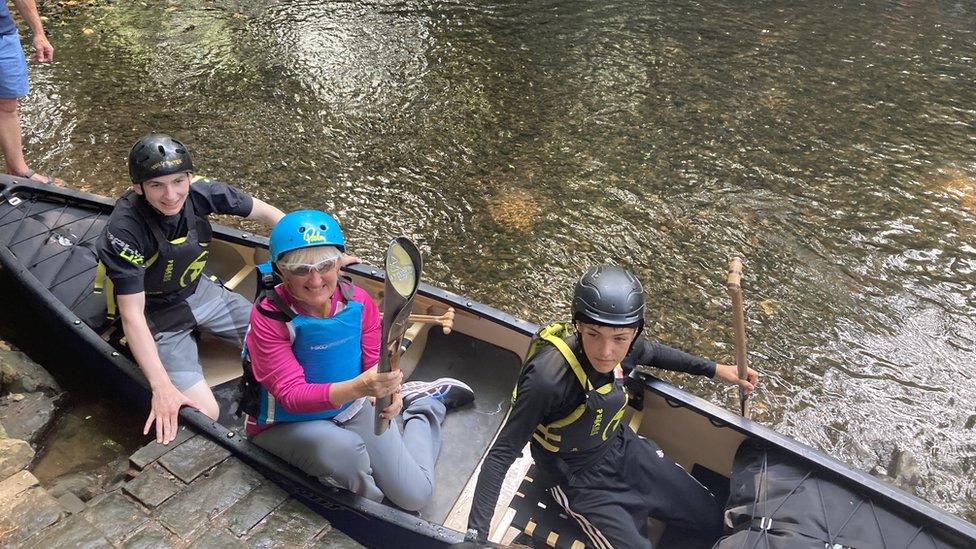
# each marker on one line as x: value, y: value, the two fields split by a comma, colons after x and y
x: 780, y: 493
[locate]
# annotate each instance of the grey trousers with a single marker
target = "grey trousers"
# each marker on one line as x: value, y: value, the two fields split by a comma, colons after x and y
x: 398, y: 466
x: 215, y: 309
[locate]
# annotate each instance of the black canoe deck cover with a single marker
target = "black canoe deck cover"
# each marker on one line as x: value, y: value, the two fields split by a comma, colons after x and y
x: 55, y: 241
x: 779, y: 504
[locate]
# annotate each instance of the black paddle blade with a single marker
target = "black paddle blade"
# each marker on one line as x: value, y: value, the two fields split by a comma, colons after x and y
x: 402, y: 268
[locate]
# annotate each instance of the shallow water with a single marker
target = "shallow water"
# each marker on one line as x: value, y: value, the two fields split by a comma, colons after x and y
x: 830, y: 145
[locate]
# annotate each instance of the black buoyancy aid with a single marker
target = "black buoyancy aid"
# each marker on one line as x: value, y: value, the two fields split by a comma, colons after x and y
x: 172, y: 274
x: 594, y: 421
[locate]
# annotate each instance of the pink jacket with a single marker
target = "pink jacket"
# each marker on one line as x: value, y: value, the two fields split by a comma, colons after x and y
x: 275, y: 366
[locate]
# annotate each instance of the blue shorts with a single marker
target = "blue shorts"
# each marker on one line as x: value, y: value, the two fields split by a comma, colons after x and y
x: 13, y: 67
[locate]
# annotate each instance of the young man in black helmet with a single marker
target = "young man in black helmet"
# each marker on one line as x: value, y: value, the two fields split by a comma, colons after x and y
x: 153, y: 250
x: 569, y: 402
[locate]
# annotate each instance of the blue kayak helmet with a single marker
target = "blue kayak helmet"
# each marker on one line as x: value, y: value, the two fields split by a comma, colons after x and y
x: 305, y: 229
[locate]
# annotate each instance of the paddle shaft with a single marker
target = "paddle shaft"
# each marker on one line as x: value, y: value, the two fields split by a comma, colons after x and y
x: 734, y: 287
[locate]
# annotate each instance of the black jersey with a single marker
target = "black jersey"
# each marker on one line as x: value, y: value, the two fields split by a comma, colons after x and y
x: 127, y: 242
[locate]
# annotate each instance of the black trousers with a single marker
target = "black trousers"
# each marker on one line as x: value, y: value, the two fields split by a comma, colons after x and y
x: 634, y: 480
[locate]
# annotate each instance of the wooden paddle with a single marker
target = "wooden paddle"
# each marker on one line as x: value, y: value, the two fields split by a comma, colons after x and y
x: 402, y: 268
x: 734, y: 287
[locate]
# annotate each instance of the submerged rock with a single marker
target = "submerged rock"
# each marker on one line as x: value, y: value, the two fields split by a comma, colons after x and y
x: 903, y: 470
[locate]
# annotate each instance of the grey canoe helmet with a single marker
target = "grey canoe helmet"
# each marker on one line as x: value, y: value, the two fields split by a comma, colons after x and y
x: 609, y: 295
x: 156, y: 155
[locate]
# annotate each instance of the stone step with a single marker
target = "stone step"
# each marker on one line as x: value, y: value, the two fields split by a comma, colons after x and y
x: 191, y: 493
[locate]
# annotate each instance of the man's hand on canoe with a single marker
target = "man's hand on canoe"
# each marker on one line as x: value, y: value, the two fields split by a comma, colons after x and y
x: 166, y: 404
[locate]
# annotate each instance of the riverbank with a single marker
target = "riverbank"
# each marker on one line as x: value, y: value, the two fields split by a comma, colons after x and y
x: 190, y: 493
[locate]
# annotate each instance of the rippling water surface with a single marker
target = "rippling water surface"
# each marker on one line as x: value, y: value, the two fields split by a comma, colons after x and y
x: 831, y: 145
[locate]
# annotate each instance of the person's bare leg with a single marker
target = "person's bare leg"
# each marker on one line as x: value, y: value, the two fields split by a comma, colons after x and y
x: 12, y: 146
x: 201, y: 394
x: 10, y: 138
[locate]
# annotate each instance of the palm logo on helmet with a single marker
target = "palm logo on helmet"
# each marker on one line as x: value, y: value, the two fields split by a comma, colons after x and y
x: 157, y: 155
x: 610, y: 296
x: 305, y: 229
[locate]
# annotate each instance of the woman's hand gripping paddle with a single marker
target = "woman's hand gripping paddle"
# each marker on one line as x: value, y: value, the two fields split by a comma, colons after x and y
x: 402, y: 266
x: 734, y: 286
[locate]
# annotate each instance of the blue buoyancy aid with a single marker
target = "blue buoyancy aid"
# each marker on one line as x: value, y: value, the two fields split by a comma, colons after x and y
x: 329, y: 350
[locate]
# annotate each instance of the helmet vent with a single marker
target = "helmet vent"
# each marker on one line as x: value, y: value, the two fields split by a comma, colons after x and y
x: 161, y: 149
x: 322, y: 227
x: 301, y: 229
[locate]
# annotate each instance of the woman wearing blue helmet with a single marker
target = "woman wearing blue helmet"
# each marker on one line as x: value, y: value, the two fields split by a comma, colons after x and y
x: 313, y: 345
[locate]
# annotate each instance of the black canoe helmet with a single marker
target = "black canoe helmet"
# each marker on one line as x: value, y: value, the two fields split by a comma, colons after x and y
x: 610, y: 296
x: 156, y: 155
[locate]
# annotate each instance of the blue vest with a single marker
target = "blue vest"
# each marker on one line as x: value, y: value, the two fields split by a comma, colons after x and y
x: 329, y: 350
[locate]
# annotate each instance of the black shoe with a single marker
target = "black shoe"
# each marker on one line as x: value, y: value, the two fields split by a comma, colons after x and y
x: 448, y: 390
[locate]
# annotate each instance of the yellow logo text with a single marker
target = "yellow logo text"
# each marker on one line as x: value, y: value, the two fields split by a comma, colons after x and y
x: 312, y: 236
x: 193, y: 271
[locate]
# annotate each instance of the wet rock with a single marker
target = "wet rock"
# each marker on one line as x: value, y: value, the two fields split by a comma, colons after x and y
x: 190, y: 459
x: 75, y: 531
x: 71, y: 503
x: 218, y: 537
x: 903, y: 469
x: 291, y: 525
x: 29, y: 417
x: 153, y: 451
x: 114, y: 474
x: 153, y: 486
x: 15, y: 454
x: 151, y: 537
x: 20, y: 374
x: 90, y: 484
x: 251, y: 510
x: 207, y: 497
x: 78, y: 484
x: 25, y: 508
x: 116, y: 517
x: 971, y: 422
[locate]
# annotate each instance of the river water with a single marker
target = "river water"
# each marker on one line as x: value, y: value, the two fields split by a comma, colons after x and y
x: 830, y: 144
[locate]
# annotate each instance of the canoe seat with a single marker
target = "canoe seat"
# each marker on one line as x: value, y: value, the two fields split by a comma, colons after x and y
x: 539, y: 516
x: 546, y: 522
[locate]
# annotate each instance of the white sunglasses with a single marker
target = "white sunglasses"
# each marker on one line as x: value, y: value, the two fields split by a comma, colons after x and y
x: 305, y: 269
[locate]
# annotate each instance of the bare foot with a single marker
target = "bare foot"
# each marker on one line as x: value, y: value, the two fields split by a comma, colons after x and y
x: 42, y: 178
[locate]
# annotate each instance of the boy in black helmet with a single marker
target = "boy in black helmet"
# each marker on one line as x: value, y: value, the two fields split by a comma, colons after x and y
x: 569, y: 402
x: 153, y: 249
